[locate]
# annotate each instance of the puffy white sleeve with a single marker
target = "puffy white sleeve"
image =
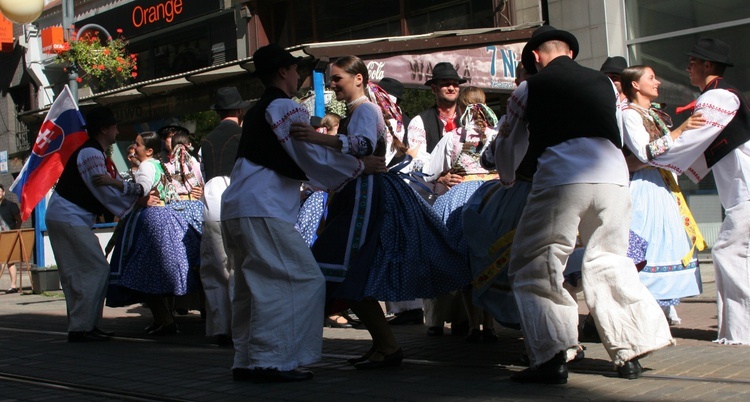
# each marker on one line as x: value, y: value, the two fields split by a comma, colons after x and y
x: 325, y: 167
x: 91, y: 162
x: 513, y: 137
x: 718, y: 107
x: 418, y: 139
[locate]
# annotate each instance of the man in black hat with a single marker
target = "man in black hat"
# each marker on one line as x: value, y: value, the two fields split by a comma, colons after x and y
x: 612, y: 68
x: 721, y: 146
x: 72, y: 212
x: 425, y: 131
x: 427, y: 128
x: 564, y: 119
x: 279, y: 289
x: 219, y: 150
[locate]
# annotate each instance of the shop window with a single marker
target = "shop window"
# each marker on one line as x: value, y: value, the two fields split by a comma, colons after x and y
x: 426, y: 16
x: 653, y: 17
x: 358, y: 19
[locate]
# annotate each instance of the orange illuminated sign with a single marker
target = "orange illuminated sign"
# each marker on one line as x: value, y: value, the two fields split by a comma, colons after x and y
x: 6, y: 34
x: 163, y: 11
x: 52, y: 40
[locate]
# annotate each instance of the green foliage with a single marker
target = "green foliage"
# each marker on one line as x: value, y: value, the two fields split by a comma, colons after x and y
x: 416, y: 101
x: 205, y: 122
x: 100, y: 63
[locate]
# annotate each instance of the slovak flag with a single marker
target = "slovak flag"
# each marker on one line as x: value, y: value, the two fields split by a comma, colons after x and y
x: 60, y: 135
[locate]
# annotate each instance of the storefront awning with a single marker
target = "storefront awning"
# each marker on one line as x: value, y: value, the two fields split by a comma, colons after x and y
x: 191, y: 91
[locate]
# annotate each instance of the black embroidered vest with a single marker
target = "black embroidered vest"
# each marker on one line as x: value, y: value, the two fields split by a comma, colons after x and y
x: 433, y: 126
x: 567, y: 101
x: 71, y: 186
x: 736, y: 133
x: 260, y: 145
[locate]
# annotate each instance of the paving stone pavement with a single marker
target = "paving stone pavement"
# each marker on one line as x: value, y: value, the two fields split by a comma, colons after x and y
x: 36, y: 363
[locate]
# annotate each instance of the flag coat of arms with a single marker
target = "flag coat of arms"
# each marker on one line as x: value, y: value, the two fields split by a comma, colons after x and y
x: 62, y: 132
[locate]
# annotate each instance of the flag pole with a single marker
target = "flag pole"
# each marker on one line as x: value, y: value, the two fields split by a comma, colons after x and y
x: 67, y: 21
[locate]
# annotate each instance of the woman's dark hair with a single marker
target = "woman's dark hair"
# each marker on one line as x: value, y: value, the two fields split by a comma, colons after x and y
x: 151, y: 140
x: 353, y: 65
x: 629, y: 76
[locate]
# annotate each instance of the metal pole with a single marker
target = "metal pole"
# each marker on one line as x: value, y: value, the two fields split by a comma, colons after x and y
x: 68, y: 12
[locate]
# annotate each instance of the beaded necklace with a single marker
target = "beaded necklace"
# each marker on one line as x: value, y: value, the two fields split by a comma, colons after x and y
x: 656, y: 126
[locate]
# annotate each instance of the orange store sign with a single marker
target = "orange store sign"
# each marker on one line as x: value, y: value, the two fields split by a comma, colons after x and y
x: 6, y: 34
x: 52, y: 40
x: 163, y: 11
x: 145, y: 16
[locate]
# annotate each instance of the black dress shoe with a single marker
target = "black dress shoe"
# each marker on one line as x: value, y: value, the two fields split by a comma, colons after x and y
x: 475, y: 336
x: 273, y: 375
x: 362, y: 358
x: 414, y: 316
x: 460, y: 329
x: 435, y: 331
x: 223, y: 340
x: 164, y: 329
x: 102, y: 333
x: 331, y: 323
x: 243, y: 374
x: 553, y: 371
x: 631, y: 370
x: 81, y: 336
x: 11, y: 290
x: 392, y: 360
x: 489, y: 336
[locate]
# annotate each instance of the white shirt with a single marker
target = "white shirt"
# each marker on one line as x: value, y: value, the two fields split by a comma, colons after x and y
x: 580, y: 160
x: 257, y: 191
x: 732, y: 172
x: 91, y: 162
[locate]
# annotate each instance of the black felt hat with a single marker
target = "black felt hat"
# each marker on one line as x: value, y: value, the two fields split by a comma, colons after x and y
x: 229, y: 98
x: 173, y: 126
x: 711, y: 49
x: 444, y: 71
x: 270, y: 57
x: 99, y: 117
x: 614, y: 65
x: 543, y: 34
x: 393, y: 87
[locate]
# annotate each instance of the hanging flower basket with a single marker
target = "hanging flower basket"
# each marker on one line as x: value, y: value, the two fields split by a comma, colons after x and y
x: 102, y: 63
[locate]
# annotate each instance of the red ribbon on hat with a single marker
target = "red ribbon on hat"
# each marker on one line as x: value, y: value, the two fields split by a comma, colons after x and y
x: 689, y: 107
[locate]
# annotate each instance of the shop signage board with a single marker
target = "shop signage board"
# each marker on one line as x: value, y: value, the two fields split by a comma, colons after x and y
x: 6, y: 34
x: 491, y: 67
x: 145, y: 16
x: 52, y: 40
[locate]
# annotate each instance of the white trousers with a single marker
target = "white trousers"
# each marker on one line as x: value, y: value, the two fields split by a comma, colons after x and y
x: 279, y: 295
x: 215, y: 272
x: 83, y: 270
x: 731, y: 254
x: 628, y: 318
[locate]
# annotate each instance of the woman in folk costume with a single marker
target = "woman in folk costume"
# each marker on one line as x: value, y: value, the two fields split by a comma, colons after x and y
x: 660, y: 214
x: 155, y: 246
x: 187, y: 179
x: 460, y: 153
x: 361, y: 246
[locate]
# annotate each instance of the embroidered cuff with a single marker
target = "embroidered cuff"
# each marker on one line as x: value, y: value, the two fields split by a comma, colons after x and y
x: 132, y: 188
x: 344, y: 143
x: 658, y: 147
